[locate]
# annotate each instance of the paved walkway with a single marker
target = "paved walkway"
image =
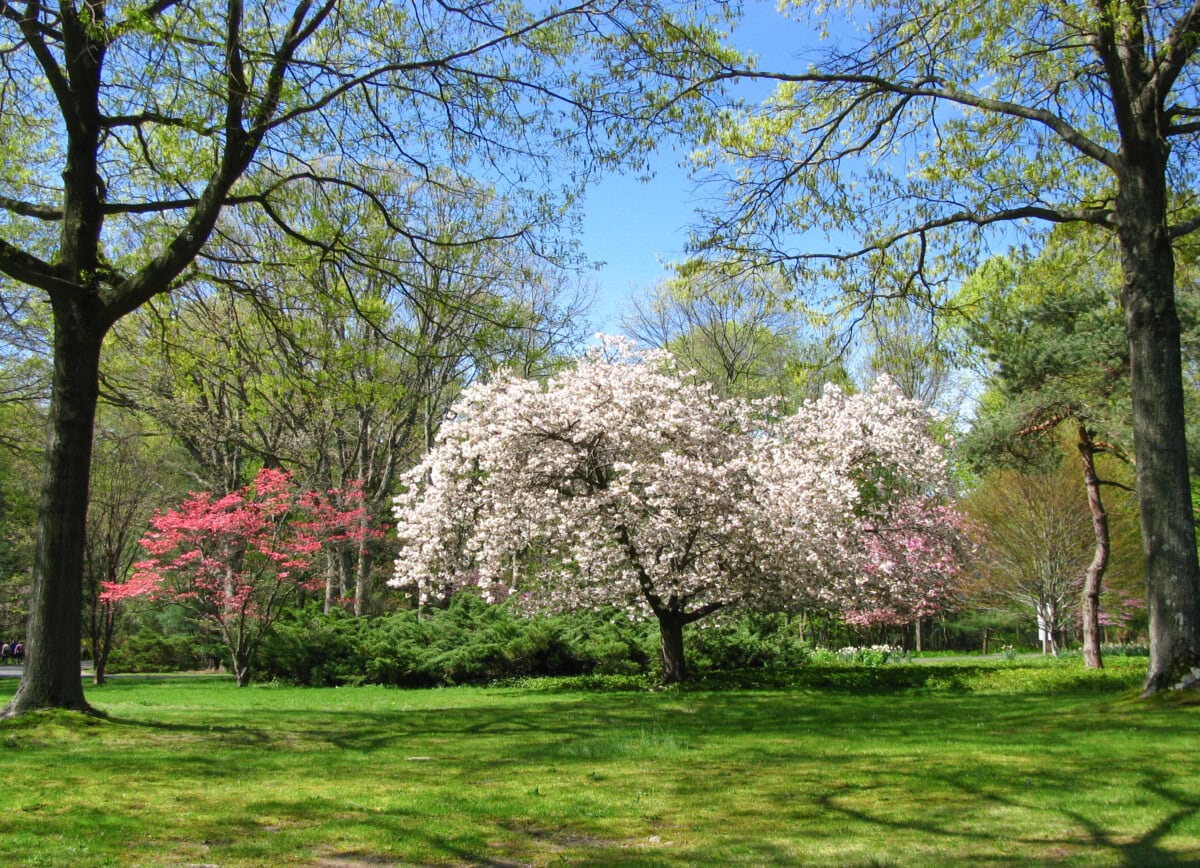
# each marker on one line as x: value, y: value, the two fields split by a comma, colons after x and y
x: 12, y: 671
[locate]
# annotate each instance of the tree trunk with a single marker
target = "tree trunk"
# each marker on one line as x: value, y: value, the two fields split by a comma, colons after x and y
x: 241, y: 670
x: 331, y: 571
x: 362, y: 577
x: 1095, y: 570
x: 917, y: 636
x: 102, y: 642
x: 51, y: 677
x: 674, y: 668
x: 1164, y: 494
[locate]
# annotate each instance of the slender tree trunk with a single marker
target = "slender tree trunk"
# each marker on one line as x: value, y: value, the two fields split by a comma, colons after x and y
x: 1095, y: 570
x: 362, y: 576
x: 1045, y: 627
x: 1164, y: 493
x: 674, y: 668
x: 94, y: 629
x: 51, y: 677
x: 330, y: 580
x: 102, y: 642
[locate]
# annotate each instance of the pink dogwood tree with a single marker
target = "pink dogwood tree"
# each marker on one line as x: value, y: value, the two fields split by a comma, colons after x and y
x: 623, y: 482
x: 236, y: 561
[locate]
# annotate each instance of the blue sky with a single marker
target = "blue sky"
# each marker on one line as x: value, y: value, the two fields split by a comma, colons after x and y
x: 635, y: 227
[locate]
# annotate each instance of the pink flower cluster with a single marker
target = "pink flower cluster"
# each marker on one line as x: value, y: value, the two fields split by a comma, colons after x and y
x: 623, y: 482
x: 233, y: 559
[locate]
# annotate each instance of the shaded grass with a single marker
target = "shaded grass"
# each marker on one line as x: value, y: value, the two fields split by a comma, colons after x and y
x: 1003, y: 764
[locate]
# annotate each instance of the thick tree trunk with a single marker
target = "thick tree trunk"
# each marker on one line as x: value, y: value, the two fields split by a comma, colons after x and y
x: 51, y: 677
x: 1164, y: 493
x: 674, y: 668
x: 1095, y: 571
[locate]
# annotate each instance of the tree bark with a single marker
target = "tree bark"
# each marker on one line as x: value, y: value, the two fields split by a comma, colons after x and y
x: 1164, y: 493
x: 331, y: 573
x: 51, y: 677
x: 1095, y: 571
x: 674, y: 667
x: 241, y: 670
x: 362, y: 575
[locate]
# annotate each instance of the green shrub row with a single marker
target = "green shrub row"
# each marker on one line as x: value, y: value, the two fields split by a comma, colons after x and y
x: 471, y: 641
x: 468, y: 642
x: 475, y: 642
x: 150, y: 651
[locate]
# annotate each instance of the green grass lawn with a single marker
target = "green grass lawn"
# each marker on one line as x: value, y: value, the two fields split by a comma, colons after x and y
x: 975, y: 764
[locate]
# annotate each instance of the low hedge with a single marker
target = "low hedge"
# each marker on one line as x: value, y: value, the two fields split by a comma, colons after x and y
x: 470, y: 641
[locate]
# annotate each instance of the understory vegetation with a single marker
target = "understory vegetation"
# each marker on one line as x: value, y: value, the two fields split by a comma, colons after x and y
x: 470, y: 641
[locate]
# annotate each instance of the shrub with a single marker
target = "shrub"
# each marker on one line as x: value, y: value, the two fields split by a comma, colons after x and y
x: 746, y: 641
x: 148, y: 651
x: 1125, y: 650
x: 469, y: 641
x: 314, y: 649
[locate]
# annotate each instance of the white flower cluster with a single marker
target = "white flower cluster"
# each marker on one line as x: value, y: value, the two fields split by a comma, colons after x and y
x: 620, y: 482
x: 860, y: 652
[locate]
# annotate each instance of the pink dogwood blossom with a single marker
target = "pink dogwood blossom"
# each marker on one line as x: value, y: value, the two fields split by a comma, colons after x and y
x: 235, y: 561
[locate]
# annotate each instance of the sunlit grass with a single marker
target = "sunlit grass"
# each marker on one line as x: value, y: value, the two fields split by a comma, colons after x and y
x: 976, y: 764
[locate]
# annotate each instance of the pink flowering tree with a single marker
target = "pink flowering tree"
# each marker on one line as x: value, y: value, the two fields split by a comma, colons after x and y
x: 237, y: 561
x: 622, y: 482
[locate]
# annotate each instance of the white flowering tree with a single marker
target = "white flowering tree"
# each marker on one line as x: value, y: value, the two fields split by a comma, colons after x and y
x: 853, y: 495
x: 620, y: 482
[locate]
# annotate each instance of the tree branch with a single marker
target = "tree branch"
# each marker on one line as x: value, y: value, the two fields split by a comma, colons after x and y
x: 922, y: 90
x: 21, y: 266
x: 1177, y: 49
x: 29, y: 209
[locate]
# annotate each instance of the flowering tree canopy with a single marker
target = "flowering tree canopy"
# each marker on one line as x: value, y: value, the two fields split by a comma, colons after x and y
x: 622, y: 482
x: 236, y: 560
x: 853, y: 493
